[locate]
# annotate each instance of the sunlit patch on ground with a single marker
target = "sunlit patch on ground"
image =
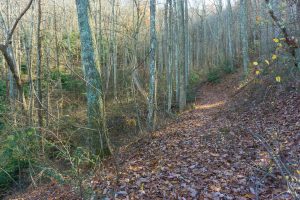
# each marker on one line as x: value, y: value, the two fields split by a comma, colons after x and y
x: 210, y: 106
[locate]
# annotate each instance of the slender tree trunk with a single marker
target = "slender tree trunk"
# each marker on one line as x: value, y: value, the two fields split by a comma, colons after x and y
x: 170, y: 61
x: 183, y: 58
x: 176, y: 50
x: 151, y: 97
x: 28, y: 51
x: 56, y: 46
x: 114, y: 47
x: 186, y: 44
x: 244, y: 35
x: 165, y: 40
x: 229, y: 29
x: 99, y: 37
x: 48, y: 78
x: 298, y: 14
x: 39, y: 68
x: 205, y: 39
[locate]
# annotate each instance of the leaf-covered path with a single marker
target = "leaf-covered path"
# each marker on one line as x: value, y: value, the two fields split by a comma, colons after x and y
x: 205, y: 155
x: 208, y: 153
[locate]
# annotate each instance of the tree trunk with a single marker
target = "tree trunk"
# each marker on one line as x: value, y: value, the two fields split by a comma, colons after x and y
x: 170, y: 60
x: 39, y: 68
x: 114, y: 48
x: 15, y: 73
x: 298, y: 14
x: 183, y: 58
x: 56, y: 46
x: 176, y: 51
x: 95, y: 106
x: 151, y: 97
x: 244, y: 35
x: 229, y: 29
x: 186, y: 44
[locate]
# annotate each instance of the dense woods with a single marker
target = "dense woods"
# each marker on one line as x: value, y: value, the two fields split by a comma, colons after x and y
x: 82, y: 80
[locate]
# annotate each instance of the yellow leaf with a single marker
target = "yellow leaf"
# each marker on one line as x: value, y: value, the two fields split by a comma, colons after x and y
x: 249, y: 196
x: 257, y: 72
x: 298, y: 172
x: 267, y: 62
x: 282, y: 39
x: 142, y: 186
x: 274, y: 57
x: 279, y: 45
x: 278, y: 79
x: 255, y: 63
x: 258, y: 19
x: 276, y: 40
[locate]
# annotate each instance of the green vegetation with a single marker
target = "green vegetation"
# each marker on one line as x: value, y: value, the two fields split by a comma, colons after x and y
x: 16, y: 155
x: 214, y: 75
x: 194, y: 82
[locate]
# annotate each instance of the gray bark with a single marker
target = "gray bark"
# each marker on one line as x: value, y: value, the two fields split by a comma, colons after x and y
x: 151, y: 97
x: 170, y: 60
x: 56, y: 45
x: 186, y: 43
x: 244, y: 35
x: 229, y: 29
x: 39, y: 67
x: 183, y: 57
x: 176, y: 51
x: 95, y: 106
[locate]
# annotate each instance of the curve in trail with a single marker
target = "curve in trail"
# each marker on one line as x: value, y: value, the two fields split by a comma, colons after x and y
x: 206, y: 153
x: 191, y: 158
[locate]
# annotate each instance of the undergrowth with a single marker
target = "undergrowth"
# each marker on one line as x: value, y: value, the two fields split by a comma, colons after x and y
x: 215, y: 74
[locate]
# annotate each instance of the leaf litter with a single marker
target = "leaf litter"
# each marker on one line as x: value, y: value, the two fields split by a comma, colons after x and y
x: 220, y: 150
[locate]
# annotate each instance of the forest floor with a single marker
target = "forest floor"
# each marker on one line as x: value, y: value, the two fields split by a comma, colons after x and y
x: 228, y: 147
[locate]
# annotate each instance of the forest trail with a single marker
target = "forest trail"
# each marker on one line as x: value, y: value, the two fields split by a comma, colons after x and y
x: 205, y: 154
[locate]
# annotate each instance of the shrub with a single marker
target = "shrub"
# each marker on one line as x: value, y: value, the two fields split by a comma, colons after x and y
x: 194, y: 80
x: 3, y: 105
x: 16, y: 153
x: 228, y: 70
x: 2, y: 88
x: 71, y: 83
x: 214, y: 75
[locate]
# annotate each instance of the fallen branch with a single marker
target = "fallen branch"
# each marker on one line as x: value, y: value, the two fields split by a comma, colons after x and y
x: 280, y: 165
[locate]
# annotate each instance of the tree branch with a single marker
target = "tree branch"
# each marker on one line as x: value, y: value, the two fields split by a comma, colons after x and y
x: 11, y: 32
x: 290, y: 41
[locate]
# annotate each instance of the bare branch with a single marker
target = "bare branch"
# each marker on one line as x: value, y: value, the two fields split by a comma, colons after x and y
x: 290, y: 41
x: 11, y: 32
